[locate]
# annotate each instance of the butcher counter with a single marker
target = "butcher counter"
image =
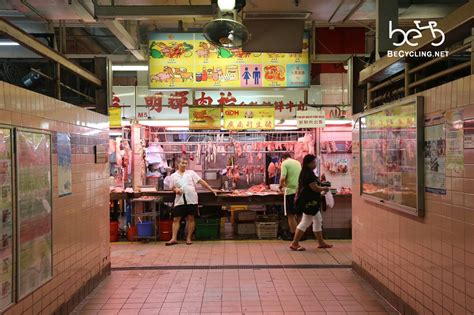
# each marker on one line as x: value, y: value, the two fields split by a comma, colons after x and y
x: 207, y: 198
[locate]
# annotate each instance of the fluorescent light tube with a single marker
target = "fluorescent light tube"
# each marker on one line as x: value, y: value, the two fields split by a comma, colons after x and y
x: 9, y: 43
x: 338, y: 122
x: 165, y: 123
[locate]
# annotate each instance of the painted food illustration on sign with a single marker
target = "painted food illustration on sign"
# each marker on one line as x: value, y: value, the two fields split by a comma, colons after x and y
x: 187, y: 60
x: 160, y: 50
x: 274, y: 73
x: 204, y: 50
x: 207, y: 50
x: 202, y: 115
x: 171, y: 74
x: 217, y: 74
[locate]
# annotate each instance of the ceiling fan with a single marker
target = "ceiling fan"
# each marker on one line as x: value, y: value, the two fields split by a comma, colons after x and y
x: 226, y: 31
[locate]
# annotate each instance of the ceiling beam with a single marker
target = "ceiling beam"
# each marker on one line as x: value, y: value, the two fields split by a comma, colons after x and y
x: 353, y: 10
x: 11, y: 31
x: 140, y: 11
x: 117, y: 59
x: 335, y: 11
x: 336, y: 58
x: 125, y: 38
x: 83, y: 10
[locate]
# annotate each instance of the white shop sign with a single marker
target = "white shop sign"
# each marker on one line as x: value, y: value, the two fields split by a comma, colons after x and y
x: 313, y: 118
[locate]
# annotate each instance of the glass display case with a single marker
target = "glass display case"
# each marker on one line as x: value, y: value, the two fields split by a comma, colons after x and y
x: 391, y: 155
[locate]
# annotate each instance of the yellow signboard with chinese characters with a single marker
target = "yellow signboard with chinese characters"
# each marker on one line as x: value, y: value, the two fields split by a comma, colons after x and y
x: 188, y: 60
x: 204, y: 118
x: 115, y: 117
x: 249, y: 118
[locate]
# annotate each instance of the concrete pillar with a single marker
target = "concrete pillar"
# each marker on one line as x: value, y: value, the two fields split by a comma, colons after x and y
x: 387, y: 10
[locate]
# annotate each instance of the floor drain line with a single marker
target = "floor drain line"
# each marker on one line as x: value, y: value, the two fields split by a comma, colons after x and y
x: 305, y: 266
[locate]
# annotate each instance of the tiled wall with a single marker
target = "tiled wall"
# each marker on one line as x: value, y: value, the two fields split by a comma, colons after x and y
x: 81, y: 253
x: 427, y: 262
x: 337, y: 221
x: 334, y: 88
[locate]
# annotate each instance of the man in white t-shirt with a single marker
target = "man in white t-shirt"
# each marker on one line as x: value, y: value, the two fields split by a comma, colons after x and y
x: 183, y: 182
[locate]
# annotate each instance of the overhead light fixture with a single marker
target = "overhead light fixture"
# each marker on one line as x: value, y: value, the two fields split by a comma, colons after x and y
x: 9, y: 43
x: 287, y: 122
x: 129, y: 68
x: 226, y: 5
x: 177, y: 128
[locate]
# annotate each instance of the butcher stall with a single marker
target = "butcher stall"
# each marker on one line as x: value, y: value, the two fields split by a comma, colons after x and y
x: 244, y: 167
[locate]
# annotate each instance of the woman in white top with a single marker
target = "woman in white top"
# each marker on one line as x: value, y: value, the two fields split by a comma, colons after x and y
x: 183, y: 182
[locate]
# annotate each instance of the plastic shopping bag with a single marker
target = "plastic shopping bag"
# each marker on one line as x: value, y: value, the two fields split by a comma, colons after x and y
x: 329, y: 199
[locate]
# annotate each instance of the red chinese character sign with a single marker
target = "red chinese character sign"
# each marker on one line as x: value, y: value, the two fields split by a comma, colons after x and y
x: 249, y: 118
x: 162, y: 105
x: 141, y: 103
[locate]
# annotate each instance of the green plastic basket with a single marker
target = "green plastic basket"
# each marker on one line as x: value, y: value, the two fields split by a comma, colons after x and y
x: 207, y: 229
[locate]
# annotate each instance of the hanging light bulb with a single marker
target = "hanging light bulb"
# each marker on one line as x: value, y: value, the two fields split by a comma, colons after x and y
x: 226, y: 5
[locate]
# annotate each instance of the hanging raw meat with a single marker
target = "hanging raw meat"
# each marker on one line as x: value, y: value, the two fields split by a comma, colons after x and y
x: 198, y: 154
x: 348, y: 146
x: 247, y: 174
x: 183, y: 149
x: 259, y: 149
x: 271, y: 170
x: 236, y: 174
x: 238, y: 147
x: 310, y: 142
x: 298, y: 150
x: 208, y: 153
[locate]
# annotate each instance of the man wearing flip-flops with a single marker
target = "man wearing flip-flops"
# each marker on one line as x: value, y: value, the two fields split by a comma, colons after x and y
x: 183, y: 182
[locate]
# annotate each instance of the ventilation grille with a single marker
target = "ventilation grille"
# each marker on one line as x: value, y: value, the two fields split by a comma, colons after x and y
x: 277, y: 15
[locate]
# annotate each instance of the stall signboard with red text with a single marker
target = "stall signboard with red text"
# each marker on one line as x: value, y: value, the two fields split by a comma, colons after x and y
x: 162, y: 105
x: 286, y: 102
x: 249, y: 118
x: 142, y: 103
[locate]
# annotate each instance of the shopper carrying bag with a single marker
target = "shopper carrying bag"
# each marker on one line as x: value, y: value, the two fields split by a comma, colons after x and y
x: 329, y: 198
x: 308, y: 200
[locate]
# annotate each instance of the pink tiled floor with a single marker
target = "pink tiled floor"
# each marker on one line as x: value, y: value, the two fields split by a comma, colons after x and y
x: 232, y: 291
x: 228, y: 253
x: 260, y: 291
